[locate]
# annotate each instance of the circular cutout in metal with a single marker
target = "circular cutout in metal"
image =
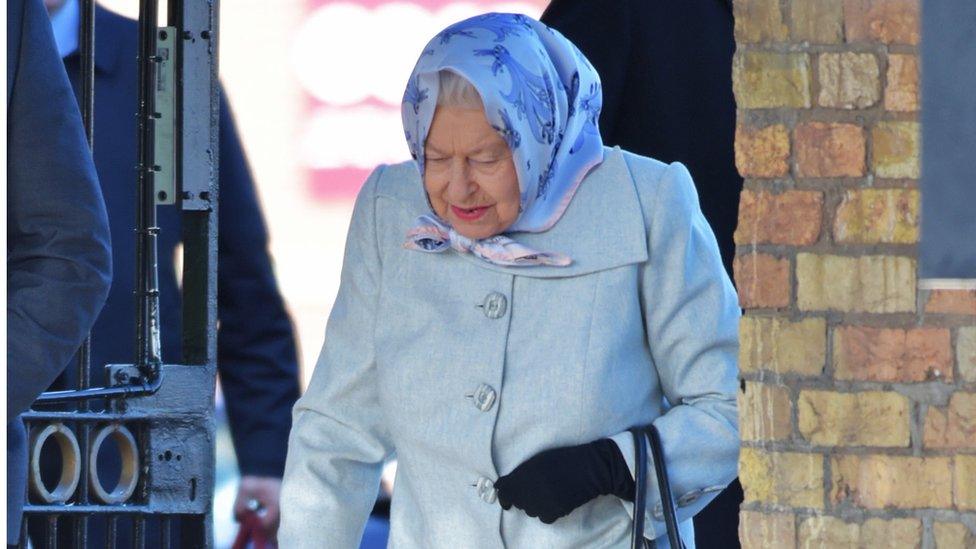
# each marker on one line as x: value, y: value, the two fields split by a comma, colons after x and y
x: 129, y: 454
x: 70, y: 463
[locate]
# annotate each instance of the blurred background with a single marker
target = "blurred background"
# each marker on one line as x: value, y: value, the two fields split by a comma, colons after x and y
x: 315, y: 86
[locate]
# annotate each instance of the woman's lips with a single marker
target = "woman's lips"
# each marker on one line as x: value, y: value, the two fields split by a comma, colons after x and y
x: 471, y: 214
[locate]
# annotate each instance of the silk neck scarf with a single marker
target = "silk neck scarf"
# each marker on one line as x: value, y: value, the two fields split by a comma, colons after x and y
x: 542, y: 96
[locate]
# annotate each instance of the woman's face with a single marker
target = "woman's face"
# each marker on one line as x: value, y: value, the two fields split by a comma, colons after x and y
x: 470, y: 175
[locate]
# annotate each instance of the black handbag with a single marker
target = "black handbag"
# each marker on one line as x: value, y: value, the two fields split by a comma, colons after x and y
x: 641, y: 436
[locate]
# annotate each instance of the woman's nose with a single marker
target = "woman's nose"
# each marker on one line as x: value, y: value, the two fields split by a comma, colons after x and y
x: 461, y: 185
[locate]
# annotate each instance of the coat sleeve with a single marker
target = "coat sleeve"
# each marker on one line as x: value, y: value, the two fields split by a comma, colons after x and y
x: 691, y: 316
x: 256, y: 354
x: 338, y: 441
x: 58, y: 245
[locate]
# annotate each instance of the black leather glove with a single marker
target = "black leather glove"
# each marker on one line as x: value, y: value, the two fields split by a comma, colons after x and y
x: 554, y: 482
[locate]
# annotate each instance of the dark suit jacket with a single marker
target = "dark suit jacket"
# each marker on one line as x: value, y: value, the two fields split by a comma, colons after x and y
x: 58, y: 249
x: 666, y: 68
x: 256, y: 353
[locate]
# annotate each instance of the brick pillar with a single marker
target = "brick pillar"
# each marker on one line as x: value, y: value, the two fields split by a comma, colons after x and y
x: 858, y: 408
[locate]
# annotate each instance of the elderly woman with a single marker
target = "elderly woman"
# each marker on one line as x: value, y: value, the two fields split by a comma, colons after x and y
x: 512, y: 301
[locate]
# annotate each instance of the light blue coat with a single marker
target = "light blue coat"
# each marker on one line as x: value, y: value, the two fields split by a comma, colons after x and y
x: 466, y: 369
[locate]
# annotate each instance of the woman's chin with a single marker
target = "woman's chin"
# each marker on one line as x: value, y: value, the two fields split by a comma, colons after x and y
x: 474, y: 231
x: 475, y: 234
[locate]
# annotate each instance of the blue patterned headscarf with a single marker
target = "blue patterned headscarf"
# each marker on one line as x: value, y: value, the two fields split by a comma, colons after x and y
x: 541, y: 94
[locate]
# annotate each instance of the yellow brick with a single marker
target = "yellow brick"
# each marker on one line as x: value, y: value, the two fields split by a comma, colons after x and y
x: 953, y: 427
x: 896, y: 146
x: 878, y: 215
x: 848, y: 80
x: 825, y: 531
x: 831, y: 532
x: 818, y: 21
x: 782, y: 478
x: 879, y: 481
x: 759, y: 530
x: 965, y: 482
x: 765, y: 412
x: 871, y: 418
x: 759, y: 21
x: 764, y: 80
x: 781, y: 346
x: 953, y: 535
x: 966, y: 353
x: 872, y: 284
x: 893, y: 534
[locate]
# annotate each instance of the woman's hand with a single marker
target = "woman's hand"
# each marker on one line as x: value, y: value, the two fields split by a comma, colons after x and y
x: 554, y: 482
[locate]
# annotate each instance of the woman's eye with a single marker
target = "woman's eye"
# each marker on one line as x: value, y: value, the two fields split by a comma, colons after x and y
x: 484, y: 161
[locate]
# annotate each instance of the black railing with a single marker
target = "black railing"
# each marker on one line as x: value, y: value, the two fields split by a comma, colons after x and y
x: 157, y: 419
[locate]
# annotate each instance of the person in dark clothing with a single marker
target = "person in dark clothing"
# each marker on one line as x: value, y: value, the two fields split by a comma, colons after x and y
x: 59, y: 261
x: 256, y: 352
x: 666, y: 69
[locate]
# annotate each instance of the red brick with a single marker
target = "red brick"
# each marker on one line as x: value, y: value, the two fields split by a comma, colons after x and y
x: 763, y: 281
x: 829, y: 150
x: 792, y: 217
x: 892, y: 354
x: 888, y: 21
x: 901, y: 93
x: 953, y: 302
x: 762, y: 152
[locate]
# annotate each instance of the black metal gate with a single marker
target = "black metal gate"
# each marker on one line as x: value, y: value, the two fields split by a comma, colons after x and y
x: 157, y: 416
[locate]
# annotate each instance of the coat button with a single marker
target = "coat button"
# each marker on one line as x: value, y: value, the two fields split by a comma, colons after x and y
x: 483, y: 397
x: 494, y: 305
x: 486, y: 490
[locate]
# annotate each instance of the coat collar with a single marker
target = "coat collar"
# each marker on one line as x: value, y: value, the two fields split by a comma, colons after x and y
x: 602, y: 228
x: 111, y: 36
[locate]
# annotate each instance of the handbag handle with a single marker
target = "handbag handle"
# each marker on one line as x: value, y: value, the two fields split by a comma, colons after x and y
x: 663, y: 483
x: 640, y: 489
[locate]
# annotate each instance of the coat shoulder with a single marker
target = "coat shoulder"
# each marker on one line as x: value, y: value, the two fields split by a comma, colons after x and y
x: 659, y: 182
x: 393, y: 195
x: 399, y: 182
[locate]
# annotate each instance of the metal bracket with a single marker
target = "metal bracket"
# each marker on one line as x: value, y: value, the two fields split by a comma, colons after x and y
x: 165, y: 126
x: 121, y: 374
x: 198, y: 105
